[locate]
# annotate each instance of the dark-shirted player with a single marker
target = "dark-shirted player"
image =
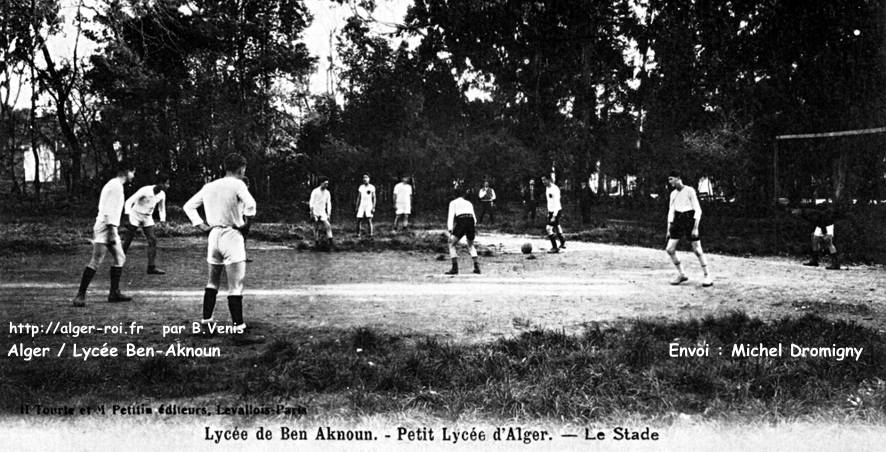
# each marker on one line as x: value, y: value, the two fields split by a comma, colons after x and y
x: 684, y: 217
x: 555, y: 208
x: 822, y: 221
x: 461, y: 222
x: 106, y: 238
x: 229, y: 209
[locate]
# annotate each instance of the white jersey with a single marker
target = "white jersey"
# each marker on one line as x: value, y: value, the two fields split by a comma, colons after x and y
x: 367, y: 192
x: 226, y: 201
x: 459, y: 207
x: 321, y: 203
x: 684, y: 200
x: 110, y: 203
x: 552, y: 193
x: 143, y: 202
x: 403, y: 196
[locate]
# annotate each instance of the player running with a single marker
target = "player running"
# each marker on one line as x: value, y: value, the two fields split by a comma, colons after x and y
x: 461, y: 222
x: 684, y: 216
x: 321, y: 212
x: 365, y: 205
x: 106, y: 237
x: 402, y: 203
x: 139, y: 208
x: 227, y: 222
x: 553, y: 229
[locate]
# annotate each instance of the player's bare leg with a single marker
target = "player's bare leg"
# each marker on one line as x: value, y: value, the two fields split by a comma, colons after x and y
x: 118, y: 258
x: 560, y: 236
x: 552, y: 237
x: 369, y: 221
x: 832, y: 251
x: 816, y: 250
x: 152, y: 251
x: 473, y: 252
x: 671, y: 249
x: 699, y: 253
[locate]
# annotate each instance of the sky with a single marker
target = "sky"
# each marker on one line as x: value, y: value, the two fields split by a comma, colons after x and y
x: 329, y: 18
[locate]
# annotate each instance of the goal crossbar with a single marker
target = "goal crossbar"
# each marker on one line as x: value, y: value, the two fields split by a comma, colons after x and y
x: 842, y: 133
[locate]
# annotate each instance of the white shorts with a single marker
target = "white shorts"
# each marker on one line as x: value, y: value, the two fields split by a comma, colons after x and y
x: 105, y: 233
x: 321, y: 217
x: 225, y: 247
x: 141, y: 220
x: 404, y: 210
x: 829, y: 230
x: 364, y: 211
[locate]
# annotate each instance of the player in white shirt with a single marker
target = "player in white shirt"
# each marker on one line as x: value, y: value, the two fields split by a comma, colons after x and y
x: 402, y: 203
x: 555, y: 208
x: 684, y: 216
x: 106, y: 237
x: 139, y: 208
x: 461, y: 222
x: 487, y: 203
x: 321, y: 212
x: 229, y: 209
x: 365, y: 204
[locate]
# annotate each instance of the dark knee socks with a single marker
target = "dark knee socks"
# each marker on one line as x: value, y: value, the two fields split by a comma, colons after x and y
x: 235, y: 305
x: 209, y: 302
x: 88, y: 273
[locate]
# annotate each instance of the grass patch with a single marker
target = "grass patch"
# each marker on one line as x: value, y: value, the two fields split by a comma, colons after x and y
x: 602, y: 373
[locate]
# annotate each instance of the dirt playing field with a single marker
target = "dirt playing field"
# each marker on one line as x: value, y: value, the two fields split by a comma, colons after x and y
x: 406, y: 292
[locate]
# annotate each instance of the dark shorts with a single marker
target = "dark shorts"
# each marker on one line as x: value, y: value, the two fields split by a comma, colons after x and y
x: 464, y: 227
x: 682, y: 226
x: 554, y: 218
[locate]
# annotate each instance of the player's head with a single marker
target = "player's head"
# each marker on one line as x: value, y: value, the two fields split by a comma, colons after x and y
x: 161, y: 181
x: 365, y: 178
x: 546, y: 180
x: 404, y: 179
x: 323, y: 182
x: 531, y: 182
x: 485, y: 184
x: 675, y: 179
x: 235, y: 165
x: 126, y: 170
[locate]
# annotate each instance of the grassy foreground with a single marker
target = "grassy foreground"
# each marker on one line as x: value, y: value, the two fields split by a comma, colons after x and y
x: 605, y: 373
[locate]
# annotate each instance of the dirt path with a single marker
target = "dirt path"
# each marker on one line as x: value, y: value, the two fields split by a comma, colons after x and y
x: 405, y: 292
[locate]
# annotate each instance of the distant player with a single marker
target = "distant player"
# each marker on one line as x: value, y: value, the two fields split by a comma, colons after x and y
x: 365, y: 205
x: 530, y: 200
x: 140, y: 210
x: 229, y: 209
x: 461, y: 222
x: 684, y: 216
x: 106, y: 238
x: 555, y: 208
x: 402, y: 203
x: 321, y: 212
x: 487, y: 203
x: 822, y: 221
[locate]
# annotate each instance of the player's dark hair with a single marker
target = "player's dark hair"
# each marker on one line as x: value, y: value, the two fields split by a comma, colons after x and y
x: 162, y: 177
x: 675, y: 174
x: 322, y: 179
x: 233, y: 162
x: 124, y: 166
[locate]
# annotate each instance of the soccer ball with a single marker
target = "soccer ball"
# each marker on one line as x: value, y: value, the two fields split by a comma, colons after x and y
x: 526, y: 248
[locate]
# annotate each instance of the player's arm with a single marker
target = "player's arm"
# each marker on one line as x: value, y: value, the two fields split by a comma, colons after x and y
x: 671, y: 213
x: 696, y: 206
x: 190, y: 209
x: 373, y: 201
x: 161, y: 207
x: 249, y: 208
x: 492, y: 196
x: 450, y: 218
x: 357, y: 202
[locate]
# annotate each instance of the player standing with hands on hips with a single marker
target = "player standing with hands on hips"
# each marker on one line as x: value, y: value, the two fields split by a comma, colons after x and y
x: 461, y: 222
x: 106, y: 238
x: 140, y: 210
x: 229, y: 211
x: 684, y: 216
